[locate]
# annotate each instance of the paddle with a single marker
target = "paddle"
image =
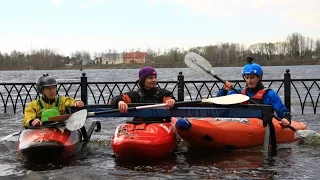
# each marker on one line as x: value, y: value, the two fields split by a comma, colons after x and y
x: 74, y: 122
x: 222, y: 100
x: 9, y: 136
x: 201, y: 65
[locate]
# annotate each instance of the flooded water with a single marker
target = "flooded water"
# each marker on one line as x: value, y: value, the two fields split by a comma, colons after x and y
x: 297, y: 160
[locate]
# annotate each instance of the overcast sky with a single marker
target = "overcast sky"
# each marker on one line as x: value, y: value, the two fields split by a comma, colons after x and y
x: 97, y: 25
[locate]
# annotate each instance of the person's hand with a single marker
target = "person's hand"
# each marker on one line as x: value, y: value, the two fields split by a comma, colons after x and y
x: 284, y: 122
x: 36, y: 122
x: 170, y: 103
x: 227, y: 86
x: 122, y: 106
x: 78, y: 104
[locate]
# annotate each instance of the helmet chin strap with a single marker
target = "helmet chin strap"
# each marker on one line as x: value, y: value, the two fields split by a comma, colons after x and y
x: 257, y: 88
x: 47, y: 100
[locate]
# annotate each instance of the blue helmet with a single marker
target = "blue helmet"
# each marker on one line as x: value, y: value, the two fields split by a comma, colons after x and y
x: 252, y: 68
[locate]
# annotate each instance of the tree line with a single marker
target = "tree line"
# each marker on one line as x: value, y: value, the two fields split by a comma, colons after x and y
x: 295, y: 50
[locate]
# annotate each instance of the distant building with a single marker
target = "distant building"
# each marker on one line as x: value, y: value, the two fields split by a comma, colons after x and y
x: 98, y: 60
x: 135, y: 57
x: 112, y: 58
x: 120, y: 58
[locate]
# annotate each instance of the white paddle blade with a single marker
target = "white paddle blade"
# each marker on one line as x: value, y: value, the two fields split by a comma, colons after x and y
x: 227, y: 100
x: 76, y: 120
x: 198, y: 63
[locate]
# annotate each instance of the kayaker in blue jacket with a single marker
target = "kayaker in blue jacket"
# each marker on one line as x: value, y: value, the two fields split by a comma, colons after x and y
x: 49, y: 104
x: 253, y: 73
x: 148, y: 92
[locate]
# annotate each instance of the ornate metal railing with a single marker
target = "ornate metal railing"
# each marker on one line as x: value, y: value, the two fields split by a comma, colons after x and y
x: 297, y: 94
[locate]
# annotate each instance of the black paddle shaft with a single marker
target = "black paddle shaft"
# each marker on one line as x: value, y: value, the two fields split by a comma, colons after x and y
x: 251, y: 100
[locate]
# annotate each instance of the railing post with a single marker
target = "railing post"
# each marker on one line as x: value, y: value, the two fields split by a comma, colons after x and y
x: 84, y: 92
x: 287, y: 89
x: 180, y: 87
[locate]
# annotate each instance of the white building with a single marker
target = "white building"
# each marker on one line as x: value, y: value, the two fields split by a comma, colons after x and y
x: 112, y: 58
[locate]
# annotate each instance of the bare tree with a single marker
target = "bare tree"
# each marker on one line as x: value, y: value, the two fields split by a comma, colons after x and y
x: 281, y: 49
x: 269, y: 50
x: 80, y: 57
x: 317, y: 49
x: 294, y: 45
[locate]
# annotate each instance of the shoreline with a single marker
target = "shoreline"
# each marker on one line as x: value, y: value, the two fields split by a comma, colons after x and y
x: 182, y: 65
x: 175, y: 65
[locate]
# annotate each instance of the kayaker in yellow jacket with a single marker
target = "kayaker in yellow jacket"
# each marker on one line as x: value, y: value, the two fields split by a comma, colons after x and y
x: 252, y: 73
x: 38, y: 111
x: 148, y: 92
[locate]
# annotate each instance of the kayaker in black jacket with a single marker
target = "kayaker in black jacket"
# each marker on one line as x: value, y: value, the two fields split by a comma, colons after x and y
x: 148, y: 92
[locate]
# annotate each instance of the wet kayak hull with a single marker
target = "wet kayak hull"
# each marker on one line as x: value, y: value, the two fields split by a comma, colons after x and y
x: 144, y: 141
x: 48, y: 143
x: 220, y: 133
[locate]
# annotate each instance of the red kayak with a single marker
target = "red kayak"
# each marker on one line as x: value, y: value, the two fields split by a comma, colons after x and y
x: 142, y: 140
x: 52, y: 143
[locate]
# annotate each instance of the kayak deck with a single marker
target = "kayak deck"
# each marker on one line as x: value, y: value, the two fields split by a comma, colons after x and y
x: 48, y: 143
x: 53, y: 142
x: 231, y: 132
x: 144, y: 141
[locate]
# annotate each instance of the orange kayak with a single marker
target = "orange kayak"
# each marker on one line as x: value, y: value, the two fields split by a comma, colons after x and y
x: 52, y: 142
x: 44, y: 143
x: 144, y: 141
x: 230, y: 132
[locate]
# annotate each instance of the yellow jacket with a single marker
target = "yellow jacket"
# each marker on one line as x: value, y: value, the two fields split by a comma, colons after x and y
x: 33, y: 110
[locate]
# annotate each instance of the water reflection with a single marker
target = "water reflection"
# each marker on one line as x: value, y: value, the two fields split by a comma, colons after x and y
x: 52, y: 165
x: 166, y: 163
x: 241, y: 163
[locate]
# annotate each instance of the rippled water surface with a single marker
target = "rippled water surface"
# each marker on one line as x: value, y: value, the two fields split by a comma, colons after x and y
x: 96, y: 161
